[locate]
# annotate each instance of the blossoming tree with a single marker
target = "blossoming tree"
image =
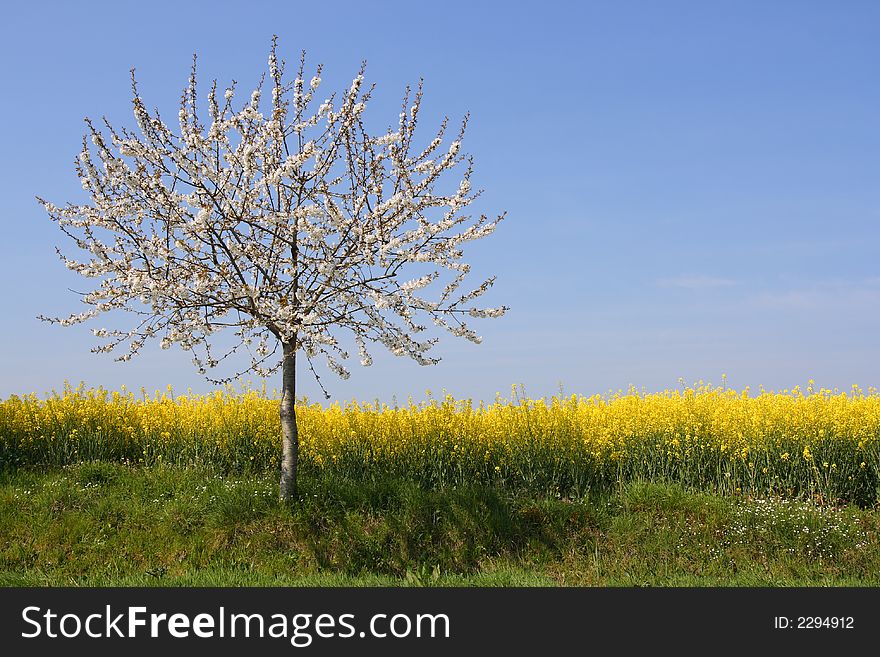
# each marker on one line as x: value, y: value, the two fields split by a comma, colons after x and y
x: 297, y: 230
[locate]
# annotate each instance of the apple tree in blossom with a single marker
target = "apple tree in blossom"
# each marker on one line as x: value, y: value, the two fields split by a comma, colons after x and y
x: 295, y: 229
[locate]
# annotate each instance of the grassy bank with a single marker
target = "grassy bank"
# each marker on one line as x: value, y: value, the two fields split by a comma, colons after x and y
x: 112, y: 524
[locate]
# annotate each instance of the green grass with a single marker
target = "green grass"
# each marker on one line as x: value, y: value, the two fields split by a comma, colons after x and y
x: 103, y: 524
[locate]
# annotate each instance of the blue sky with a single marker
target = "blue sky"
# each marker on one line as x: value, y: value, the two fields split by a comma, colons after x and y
x: 691, y: 187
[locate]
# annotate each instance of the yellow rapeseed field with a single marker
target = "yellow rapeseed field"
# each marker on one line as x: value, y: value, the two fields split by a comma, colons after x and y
x: 817, y: 443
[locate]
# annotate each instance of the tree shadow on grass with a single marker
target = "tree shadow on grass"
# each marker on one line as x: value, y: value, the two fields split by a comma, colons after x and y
x: 396, y: 528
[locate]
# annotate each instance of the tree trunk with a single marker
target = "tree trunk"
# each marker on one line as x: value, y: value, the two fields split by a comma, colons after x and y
x: 289, y: 434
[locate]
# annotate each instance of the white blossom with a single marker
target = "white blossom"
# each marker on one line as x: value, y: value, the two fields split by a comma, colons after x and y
x: 289, y: 228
